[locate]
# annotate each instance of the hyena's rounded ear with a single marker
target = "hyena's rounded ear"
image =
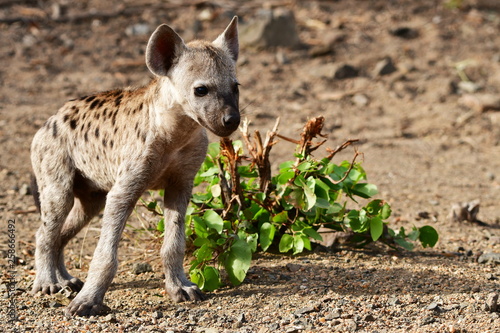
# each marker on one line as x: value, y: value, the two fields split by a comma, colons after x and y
x: 228, y: 40
x: 163, y: 47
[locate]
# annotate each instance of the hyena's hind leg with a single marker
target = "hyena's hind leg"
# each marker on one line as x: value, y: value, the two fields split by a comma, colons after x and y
x: 56, y: 199
x: 86, y: 204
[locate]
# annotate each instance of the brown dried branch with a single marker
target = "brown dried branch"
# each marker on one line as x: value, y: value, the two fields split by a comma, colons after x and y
x: 311, y: 130
x: 233, y: 158
x: 346, y: 174
x: 259, y: 152
x: 333, y: 152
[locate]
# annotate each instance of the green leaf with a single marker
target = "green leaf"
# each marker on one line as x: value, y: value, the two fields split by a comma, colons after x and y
x: 286, y: 166
x: 321, y: 191
x: 212, y: 278
x: 204, y: 253
x: 386, y: 211
x: 309, y: 192
x: 197, y: 277
x: 215, y: 190
x: 354, y: 222
x: 286, y: 243
x: 298, y: 244
x: 285, y: 177
x: 364, y: 190
x: 161, y: 225
x: 213, y: 149
x: 413, y: 235
x: 376, y: 227
x: 313, y: 234
x: 404, y: 243
x: 210, y: 172
x: 304, y: 166
x: 152, y: 205
x: 238, y: 261
x: 267, y: 231
x: 252, y: 241
x: 428, y: 236
x: 281, y: 217
x: 373, y: 207
x: 200, y: 228
x: 213, y: 220
x: 307, y: 242
x: 296, y: 198
x: 322, y: 203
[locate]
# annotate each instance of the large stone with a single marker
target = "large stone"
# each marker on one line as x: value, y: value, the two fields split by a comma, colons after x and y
x: 271, y: 28
x: 337, y: 71
x: 384, y: 67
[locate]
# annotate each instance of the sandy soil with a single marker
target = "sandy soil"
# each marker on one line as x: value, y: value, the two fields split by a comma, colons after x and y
x: 424, y: 146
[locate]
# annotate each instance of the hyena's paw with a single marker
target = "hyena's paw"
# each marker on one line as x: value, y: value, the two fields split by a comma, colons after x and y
x: 185, y: 292
x: 74, y: 284
x: 51, y: 287
x: 84, y: 307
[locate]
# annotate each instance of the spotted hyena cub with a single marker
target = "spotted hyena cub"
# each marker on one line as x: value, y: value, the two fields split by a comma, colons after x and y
x: 103, y: 151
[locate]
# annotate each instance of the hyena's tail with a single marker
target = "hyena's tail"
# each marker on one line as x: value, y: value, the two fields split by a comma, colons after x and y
x: 36, y: 193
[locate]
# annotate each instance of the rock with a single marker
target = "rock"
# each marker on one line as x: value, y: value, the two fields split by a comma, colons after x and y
x: 404, y: 32
x: 351, y: 325
x: 481, y: 102
x: 281, y: 58
x: 25, y: 189
x: 320, y: 50
x: 139, y: 29
x: 468, y: 87
x: 241, y: 318
x: 464, y: 211
x: 295, y: 329
x: 335, y: 71
x: 141, y: 267
x: 307, y: 309
x: 491, y: 304
x: 110, y: 318
x: 427, y: 321
x: 334, y: 314
x: 293, y: 267
x: 491, y: 277
x: 384, y: 67
x: 489, y: 257
x: 345, y: 71
x: 55, y: 304
x: 434, y: 307
x: 394, y: 301
x: 271, y: 28
x: 157, y: 314
x: 211, y: 330
x: 360, y: 100
x: 369, y: 317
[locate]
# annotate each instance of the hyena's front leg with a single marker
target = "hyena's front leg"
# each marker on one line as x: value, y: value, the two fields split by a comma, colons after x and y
x: 177, y: 284
x: 119, y: 204
x: 87, y: 205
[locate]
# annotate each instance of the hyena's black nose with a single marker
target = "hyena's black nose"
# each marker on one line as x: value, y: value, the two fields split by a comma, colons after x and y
x: 231, y: 120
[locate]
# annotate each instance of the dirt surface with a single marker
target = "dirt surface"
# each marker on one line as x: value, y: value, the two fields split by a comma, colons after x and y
x: 429, y: 141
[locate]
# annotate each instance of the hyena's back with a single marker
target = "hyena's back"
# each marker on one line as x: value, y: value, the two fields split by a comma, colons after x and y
x: 93, y: 136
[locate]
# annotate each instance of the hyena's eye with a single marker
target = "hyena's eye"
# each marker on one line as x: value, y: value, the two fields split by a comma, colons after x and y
x: 201, y: 91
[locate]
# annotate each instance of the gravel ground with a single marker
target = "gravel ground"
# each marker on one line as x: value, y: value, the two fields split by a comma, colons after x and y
x: 429, y: 141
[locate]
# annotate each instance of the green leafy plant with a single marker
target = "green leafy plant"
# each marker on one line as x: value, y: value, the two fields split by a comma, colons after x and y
x: 241, y: 208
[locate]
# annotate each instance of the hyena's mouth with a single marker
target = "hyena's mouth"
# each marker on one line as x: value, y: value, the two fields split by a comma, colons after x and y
x: 221, y: 128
